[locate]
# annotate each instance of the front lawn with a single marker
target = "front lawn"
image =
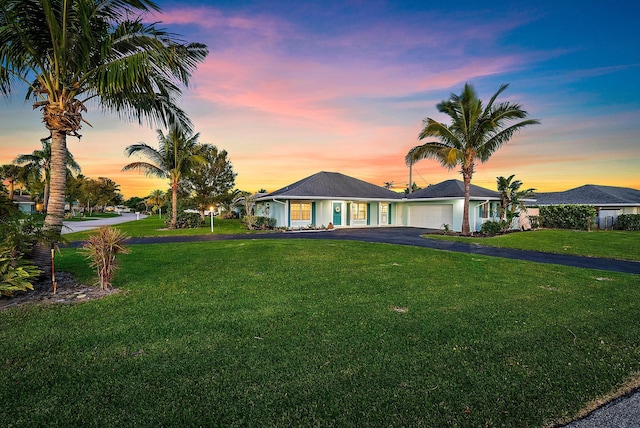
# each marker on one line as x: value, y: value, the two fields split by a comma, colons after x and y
x: 616, y: 244
x: 321, y: 333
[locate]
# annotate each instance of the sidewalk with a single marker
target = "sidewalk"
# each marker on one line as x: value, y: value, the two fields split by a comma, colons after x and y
x: 81, y: 226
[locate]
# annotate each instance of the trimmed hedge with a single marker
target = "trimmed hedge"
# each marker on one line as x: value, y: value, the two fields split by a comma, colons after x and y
x: 628, y: 222
x: 574, y: 217
x: 493, y: 227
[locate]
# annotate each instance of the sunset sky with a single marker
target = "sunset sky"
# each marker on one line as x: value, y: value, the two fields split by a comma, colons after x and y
x: 291, y: 88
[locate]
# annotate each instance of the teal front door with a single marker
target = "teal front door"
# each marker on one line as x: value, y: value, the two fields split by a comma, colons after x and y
x: 337, y: 214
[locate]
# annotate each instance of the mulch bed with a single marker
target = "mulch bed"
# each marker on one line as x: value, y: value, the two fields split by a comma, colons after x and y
x: 67, y: 291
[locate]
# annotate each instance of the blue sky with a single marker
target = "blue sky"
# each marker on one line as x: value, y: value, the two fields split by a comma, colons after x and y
x: 293, y: 88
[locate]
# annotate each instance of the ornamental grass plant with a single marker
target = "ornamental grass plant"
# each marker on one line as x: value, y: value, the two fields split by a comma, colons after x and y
x: 101, y: 249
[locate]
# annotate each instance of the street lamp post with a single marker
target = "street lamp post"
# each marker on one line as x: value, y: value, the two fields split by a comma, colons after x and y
x: 211, y: 211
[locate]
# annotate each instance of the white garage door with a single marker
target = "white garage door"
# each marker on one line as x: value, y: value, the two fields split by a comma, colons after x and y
x: 430, y: 216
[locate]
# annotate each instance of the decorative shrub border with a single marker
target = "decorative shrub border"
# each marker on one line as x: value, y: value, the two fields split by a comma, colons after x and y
x: 574, y: 217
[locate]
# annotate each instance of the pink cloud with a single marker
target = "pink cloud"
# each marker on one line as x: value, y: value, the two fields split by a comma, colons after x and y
x: 274, y: 78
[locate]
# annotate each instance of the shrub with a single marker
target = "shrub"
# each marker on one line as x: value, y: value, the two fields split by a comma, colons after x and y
x: 15, y: 274
x: 186, y: 220
x: 101, y: 249
x: 7, y: 207
x: 229, y: 214
x: 492, y: 227
x: 574, y: 217
x: 259, y: 223
x: 628, y: 222
x: 20, y: 232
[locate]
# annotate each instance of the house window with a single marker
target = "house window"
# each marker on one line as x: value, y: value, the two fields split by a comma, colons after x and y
x: 301, y: 210
x: 484, y: 210
x: 359, y: 211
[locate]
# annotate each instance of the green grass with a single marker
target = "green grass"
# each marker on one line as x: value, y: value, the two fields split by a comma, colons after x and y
x: 321, y: 333
x: 154, y: 226
x: 600, y: 243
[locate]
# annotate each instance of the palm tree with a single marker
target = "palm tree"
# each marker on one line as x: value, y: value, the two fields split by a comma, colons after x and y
x: 70, y: 52
x: 475, y: 133
x: 156, y: 198
x: 38, y: 167
x: 505, y: 187
x: 230, y: 201
x: 511, y: 197
x: 11, y: 173
x: 175, y: 158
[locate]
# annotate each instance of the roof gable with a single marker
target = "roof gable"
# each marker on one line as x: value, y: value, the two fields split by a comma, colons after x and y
x: 333, y: 185
x: 452, y: 189
x: 592, y: 194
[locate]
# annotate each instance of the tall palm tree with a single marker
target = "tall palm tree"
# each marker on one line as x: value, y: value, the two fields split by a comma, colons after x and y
x: 68, y: 53
x: 177, y: 155
x: 12, y: 174
x: 38, y: 167
x: 475, y: 133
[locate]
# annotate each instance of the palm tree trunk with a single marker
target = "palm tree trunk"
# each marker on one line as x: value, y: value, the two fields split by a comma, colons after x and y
x: 466, y: 176
x: 55, y: 205
x: 45, y: 196
x: 174, y: 205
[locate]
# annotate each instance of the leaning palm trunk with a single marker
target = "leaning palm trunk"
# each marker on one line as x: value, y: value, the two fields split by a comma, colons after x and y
x: 45, y: 198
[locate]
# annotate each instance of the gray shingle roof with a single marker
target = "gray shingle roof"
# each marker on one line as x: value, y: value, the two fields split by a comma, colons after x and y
x: 333, y: 185
x: 452, y: 189
x: 23, y: 199
x: 592, y: 194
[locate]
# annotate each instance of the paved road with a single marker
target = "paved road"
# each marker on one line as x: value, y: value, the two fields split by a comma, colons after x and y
x: 621, y: 413
x: 80, y: 226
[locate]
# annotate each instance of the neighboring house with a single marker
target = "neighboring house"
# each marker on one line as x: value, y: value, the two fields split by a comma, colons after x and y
x: 25, y: 204
x: 342, y: 201
x: 609, y: 201
x: 443, y: 203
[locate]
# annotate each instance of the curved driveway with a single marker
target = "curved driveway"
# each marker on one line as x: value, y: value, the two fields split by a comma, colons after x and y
x: 81, y: 226
x: 411, y: 236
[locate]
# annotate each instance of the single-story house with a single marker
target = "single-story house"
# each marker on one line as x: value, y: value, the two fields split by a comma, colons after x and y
x: 332, y: 198
x: 609, y: 201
